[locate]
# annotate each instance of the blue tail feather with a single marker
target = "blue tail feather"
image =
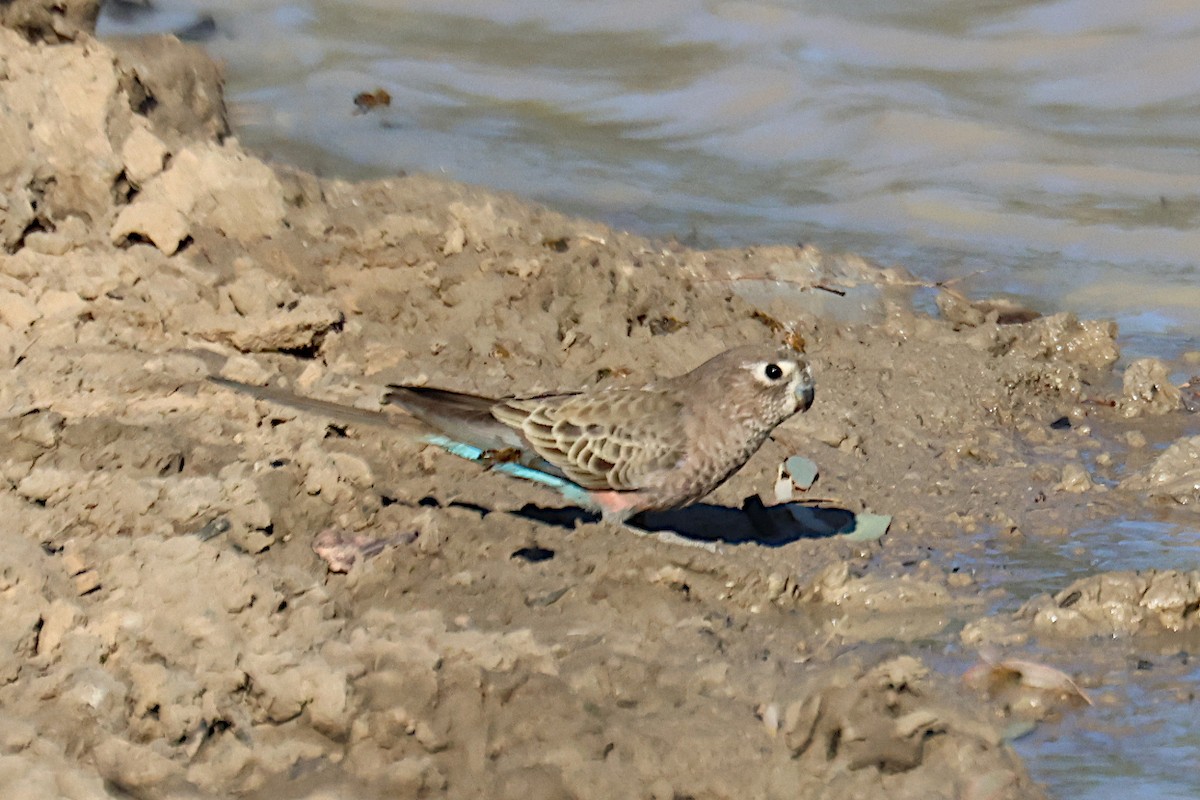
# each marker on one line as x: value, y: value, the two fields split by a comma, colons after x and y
x: 571, y: 491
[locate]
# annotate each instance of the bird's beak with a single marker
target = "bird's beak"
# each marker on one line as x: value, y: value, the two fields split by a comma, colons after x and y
x: 805, y: 389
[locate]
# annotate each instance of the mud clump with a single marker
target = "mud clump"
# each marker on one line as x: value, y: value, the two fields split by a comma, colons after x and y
x: 1147, y: 389
x: 878, y: 726
x: 1120, y: 604
x: 50, y: 21
x: 170, y: 630
x: 1175, y: 474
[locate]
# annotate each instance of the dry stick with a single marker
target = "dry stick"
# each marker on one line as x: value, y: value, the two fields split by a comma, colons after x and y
x: 777, y: 326
x: 841, y: 292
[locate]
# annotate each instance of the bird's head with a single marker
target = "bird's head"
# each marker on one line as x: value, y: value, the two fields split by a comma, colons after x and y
x: 770, y: 383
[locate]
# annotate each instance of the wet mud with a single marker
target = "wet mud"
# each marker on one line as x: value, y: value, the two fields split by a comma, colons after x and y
x: 210, y: 595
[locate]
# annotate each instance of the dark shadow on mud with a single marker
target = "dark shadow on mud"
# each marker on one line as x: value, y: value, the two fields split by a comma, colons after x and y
x: 770, y: 526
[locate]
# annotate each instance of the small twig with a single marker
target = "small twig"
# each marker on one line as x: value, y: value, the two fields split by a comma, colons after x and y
x: 837, y: 504
x: 949, y: 281
x: 915, y: 284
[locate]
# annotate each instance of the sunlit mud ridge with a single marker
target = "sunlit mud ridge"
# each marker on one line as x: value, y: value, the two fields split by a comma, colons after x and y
x: 170, y: 626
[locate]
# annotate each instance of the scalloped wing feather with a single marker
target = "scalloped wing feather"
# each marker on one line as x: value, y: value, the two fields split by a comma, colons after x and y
x: 613, y: 440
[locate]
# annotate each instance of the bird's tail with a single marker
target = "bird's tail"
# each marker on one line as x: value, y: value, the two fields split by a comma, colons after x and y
x: 479, y: 439
x: 463, y: 417
x: 336, y: 411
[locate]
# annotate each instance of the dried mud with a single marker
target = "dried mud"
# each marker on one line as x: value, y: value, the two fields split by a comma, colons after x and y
x: 168, y: 630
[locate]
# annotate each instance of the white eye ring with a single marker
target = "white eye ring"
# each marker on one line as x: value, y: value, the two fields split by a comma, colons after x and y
x: 772, y: 373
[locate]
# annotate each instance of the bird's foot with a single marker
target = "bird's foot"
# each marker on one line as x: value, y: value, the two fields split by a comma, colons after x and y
x: 509, y: 455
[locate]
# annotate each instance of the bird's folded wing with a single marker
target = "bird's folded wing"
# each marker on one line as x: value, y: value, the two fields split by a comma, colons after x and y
x: 610, y: 441
x: 468, y: 419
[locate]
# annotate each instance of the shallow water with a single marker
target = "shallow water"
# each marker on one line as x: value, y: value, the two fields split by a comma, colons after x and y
x: 1144, y: 747
x: 1039, y: 564
x: 1140, y: 738
x: 1053, y: 147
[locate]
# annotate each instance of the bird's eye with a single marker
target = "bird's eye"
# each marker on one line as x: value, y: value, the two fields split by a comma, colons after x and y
x: 773, y: 372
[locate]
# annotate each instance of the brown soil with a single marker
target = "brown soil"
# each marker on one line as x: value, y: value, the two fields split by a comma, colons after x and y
x: 170, y: 632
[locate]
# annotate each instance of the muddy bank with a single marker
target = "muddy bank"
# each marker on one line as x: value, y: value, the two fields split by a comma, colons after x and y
x: 170, y: 631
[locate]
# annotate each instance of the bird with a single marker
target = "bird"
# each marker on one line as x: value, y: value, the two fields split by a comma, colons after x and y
x: 616, y: 450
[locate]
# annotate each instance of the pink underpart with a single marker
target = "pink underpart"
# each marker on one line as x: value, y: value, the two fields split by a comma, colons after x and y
x: 616, y: 504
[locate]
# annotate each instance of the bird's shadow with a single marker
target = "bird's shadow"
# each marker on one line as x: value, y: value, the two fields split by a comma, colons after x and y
x: 770, y: 526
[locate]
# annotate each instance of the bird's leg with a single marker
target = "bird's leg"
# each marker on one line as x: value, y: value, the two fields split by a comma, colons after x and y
x: 509, y: 455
